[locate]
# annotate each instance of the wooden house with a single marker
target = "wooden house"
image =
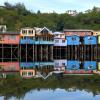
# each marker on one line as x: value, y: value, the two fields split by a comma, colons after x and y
x: 90, y: 65
x: 9, y: 37
x: 9, y: 66
x: 59, y: 39
x: 27, y: 36
x: 73, y: 65
x: 73, y: 40
x: 43, y: 36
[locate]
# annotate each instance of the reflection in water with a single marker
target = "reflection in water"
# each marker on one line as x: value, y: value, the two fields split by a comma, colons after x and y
x: 58, y: 94
x: 67, y: 87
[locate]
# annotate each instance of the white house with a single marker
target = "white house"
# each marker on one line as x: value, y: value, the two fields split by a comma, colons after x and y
x: 60, y: 64
x: 59, y: 39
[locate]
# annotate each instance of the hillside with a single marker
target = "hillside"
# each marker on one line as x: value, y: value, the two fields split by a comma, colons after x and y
x: 17, y: 16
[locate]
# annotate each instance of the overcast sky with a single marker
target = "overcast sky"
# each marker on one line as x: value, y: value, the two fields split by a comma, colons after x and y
x: 59, y: 6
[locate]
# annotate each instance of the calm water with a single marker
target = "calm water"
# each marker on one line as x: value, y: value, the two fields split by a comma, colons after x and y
x: 57, y: 94
x: 14, y: 87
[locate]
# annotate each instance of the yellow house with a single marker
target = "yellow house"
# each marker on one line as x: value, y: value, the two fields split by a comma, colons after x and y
x: 27, y: 73
x: 99, y: 66
x: 97, y: 33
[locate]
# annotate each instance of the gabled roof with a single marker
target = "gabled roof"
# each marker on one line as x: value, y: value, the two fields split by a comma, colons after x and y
x: 43, y: 29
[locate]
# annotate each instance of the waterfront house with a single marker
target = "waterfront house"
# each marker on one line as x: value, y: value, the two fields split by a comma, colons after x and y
x: 43, y: 36
x: 59, y: 39
x: 73, y: 65
x: 27, y: 36
x: 73, y: 40
x: 9, y: 66
x: 60, y: 64
x: 90, y: 65
x: 27, y: 73
x: 90, y: 40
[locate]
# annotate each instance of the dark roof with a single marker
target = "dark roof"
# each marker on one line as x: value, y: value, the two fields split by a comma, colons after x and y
x: 9, y: 32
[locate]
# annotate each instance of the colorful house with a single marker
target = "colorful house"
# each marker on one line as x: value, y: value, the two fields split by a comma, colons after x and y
x: 60, y: 64
x: 27, y: 73
x: 59, y: 39
x: 98, y: 66
x: 43, y: 36
x: 9, y: 37
x: 27, y: 69
x: 97, y: 33
x: 9, y: 66
x: 27, y: 65
x: 73, y: 65
x: 90, y: 65
x: 73, y: 40
x: 27, y: 36
x: 90, y: 40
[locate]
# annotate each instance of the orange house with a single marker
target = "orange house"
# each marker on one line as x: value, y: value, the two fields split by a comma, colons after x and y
x: 9, y: 37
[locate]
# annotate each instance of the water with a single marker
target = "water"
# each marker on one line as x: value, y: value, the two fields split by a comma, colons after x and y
x: 17, y: 80
x: 57, y: 94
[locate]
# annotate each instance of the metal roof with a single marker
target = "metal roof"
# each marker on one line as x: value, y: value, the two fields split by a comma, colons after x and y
x: 79, y: 30
x: 9, y: 32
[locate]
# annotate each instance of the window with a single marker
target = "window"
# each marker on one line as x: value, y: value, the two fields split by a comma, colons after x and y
x: 30, y: 31
x: 63, y: 41
x: 24, y: 73
x: 63, y: 64
x: 56, y: 41
x: 24, y: 31
x: 12, y: 37
x: 56, y: 64
x: 89, y: 38
x: 30, y: 73
x: 73, y: 38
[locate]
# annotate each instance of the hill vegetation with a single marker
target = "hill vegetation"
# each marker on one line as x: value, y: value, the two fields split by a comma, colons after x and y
x: 17, y: 16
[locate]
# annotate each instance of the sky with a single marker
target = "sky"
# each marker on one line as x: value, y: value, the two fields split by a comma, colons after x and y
x: 59, y: 6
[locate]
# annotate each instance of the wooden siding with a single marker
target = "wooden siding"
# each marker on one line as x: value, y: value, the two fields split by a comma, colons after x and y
x: 60, y: 42
x: 9, y: 39
x: 67, y: 33
x: 82, y: 71
x: 28, y: 65
x: 99, y: 66
x: 9, y: 66
x: 73, y: 65
x: 99, y: 39
x: 73, y: 40
x: 88, y: 40
x: 90, y: 65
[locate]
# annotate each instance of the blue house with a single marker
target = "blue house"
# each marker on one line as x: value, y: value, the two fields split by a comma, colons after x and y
x: 73, y: 40
x: 27, y: 65
x: 90, y: 65
x: 73, y: 65
x: 90, y: 40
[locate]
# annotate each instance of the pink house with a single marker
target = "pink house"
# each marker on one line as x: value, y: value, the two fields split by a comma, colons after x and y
x: 9, y: 38
x: 9, y: 66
